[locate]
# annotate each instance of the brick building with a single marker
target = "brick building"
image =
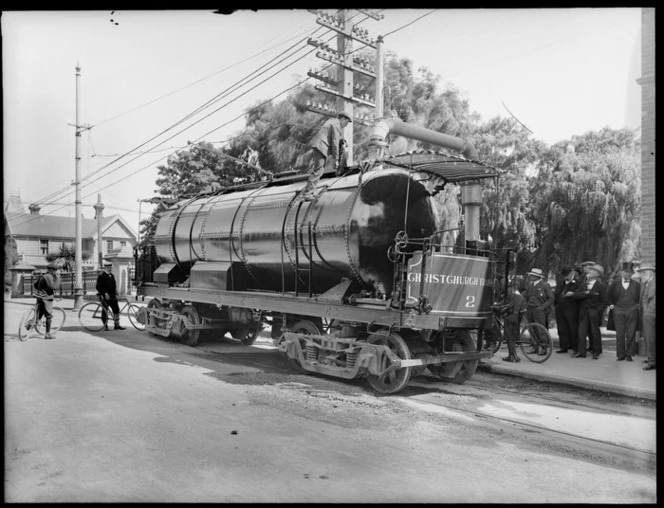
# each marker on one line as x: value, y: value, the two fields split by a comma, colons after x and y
x: 647, y: 82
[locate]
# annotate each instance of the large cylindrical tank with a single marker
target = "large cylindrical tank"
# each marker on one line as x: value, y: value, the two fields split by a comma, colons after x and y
x: 277, y: 239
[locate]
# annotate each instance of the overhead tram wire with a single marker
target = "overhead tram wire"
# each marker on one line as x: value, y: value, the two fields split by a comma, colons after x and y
x: 200, y: 108
x: 68, y: 189
x: 217, y: 128
x: 212, y: 101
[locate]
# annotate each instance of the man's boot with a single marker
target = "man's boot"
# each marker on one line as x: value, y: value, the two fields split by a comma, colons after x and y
x: 105, y: 325
x: 48, y: 329
x: 117, y: 325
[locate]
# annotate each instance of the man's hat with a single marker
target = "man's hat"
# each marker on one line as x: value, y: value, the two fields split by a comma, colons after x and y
x: 646, y: 266
x: 566, y: 270
x: 345, y: 115
x: 53, y: 265
x: 598, y: 268
x: 587, y: 263
x: 107, y: 263
x: 537, y: 272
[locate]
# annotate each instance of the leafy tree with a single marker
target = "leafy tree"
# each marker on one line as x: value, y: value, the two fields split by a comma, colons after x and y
x: 11, y: 258
x: 588, y: 200
x: 66, y: 257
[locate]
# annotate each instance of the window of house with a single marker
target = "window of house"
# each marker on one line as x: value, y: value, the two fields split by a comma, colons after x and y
x: 109, y: 246
x: 123, y: 243
x: 43, y: 246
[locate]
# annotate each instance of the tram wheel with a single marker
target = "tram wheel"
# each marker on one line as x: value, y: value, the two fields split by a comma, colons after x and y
x: 397, y: 379
x: 457, y: 372
x: 306, y: 327
x: 190, y: 337
x: 152, y: 304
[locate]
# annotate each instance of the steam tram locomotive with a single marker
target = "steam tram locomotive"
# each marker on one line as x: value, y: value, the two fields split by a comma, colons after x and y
x: 358, y: 282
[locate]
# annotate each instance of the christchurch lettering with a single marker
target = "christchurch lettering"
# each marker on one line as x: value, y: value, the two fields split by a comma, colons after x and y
x: 456, y: 280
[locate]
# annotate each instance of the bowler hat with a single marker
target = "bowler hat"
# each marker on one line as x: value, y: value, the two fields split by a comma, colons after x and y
x: 646, y: 266
x: 598, y: 268
x: 537, y: 272
x: 344, y: 115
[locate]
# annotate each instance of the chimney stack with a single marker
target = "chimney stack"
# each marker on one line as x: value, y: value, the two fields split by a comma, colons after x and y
x: 34, y: 209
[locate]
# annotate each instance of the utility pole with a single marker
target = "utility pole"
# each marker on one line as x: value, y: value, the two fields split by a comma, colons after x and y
x: 99, y: 207
x: 78, y: 281
x: 342, y: 86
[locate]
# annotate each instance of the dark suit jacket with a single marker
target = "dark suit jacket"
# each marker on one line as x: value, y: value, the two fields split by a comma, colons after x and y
x: 633, y: 291
x: 594, y: 299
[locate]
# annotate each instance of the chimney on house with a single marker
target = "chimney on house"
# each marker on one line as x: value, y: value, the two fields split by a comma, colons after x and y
x: 34, y: 209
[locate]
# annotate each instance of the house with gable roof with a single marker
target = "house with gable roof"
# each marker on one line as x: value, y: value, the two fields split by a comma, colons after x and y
x: 36, y: 235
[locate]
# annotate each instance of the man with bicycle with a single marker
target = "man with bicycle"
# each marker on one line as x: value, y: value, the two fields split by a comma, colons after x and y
x: 539, y: 301
x: 45, y: 288
x: 108, y: 294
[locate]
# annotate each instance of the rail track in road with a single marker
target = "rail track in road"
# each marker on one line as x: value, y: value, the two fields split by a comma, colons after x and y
x: 534, y: 415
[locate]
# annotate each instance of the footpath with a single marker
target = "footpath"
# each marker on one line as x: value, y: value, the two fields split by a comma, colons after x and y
x: 604, y: 374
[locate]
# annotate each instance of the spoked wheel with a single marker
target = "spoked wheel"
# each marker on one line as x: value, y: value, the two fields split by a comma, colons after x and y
x: 90, y: 316
x: 138, y: 316
x: 190, y: 337
x: 457, y: 372
x: 535, y: 342
x: 58, y: 319
x: 28, y: 328
x: 395, y: 380
x: 306, y: 327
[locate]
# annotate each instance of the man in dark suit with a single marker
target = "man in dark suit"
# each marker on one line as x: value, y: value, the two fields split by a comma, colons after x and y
x: 108, y: 293
x: 592, y: 295
x: 623, y: 300
x: 567, y: 309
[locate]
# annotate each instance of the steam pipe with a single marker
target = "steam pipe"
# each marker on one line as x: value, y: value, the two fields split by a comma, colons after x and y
x: 386, y: 126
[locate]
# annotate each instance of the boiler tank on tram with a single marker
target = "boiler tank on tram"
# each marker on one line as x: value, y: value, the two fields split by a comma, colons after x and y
x: 267, y: 238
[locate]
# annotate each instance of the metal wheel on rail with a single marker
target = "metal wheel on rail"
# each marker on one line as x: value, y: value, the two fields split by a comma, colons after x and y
x: 190, y: 337
x: 90, y: 316
x: 462, y: 371
x: 535, y: 342
x: 396, y: 380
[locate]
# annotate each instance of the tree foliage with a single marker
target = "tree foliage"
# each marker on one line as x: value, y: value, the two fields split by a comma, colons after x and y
x: 66, y: 257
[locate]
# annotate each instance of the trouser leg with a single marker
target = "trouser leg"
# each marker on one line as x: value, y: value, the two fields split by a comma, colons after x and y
x: 620, y: 321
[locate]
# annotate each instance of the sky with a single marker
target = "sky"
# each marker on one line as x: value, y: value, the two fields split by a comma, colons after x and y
x: 146, y: 78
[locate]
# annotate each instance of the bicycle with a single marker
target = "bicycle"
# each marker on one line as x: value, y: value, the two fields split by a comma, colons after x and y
x: 90, y: 315
x: 527, y: 341
x: 31, y: 326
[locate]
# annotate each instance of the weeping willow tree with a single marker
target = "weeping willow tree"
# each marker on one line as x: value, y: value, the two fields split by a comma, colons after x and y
x: 588, y: 196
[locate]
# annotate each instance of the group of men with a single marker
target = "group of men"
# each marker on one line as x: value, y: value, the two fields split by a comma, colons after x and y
x: 106, y: 289
x: 580, y: 300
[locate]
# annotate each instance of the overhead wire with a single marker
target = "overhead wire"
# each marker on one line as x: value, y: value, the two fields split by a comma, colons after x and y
x: 210, y: 102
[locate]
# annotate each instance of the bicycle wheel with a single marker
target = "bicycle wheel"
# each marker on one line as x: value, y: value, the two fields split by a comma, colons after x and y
x: 90, y: 316
x: 28, y: 327
x: 137, y: 316
x: 535, y: 342
x: 58, y: 319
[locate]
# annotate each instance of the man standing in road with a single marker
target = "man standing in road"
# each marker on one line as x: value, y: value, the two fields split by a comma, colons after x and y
x: 325, y: 147
x: 108, y: 293
x: 623, y: 299
x: 539, y: 300
x: 567, y: 309
x: 592, y: 295
x: 647, y: 272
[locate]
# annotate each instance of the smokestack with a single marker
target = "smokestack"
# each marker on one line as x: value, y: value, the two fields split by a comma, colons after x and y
x: 34, y: 209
